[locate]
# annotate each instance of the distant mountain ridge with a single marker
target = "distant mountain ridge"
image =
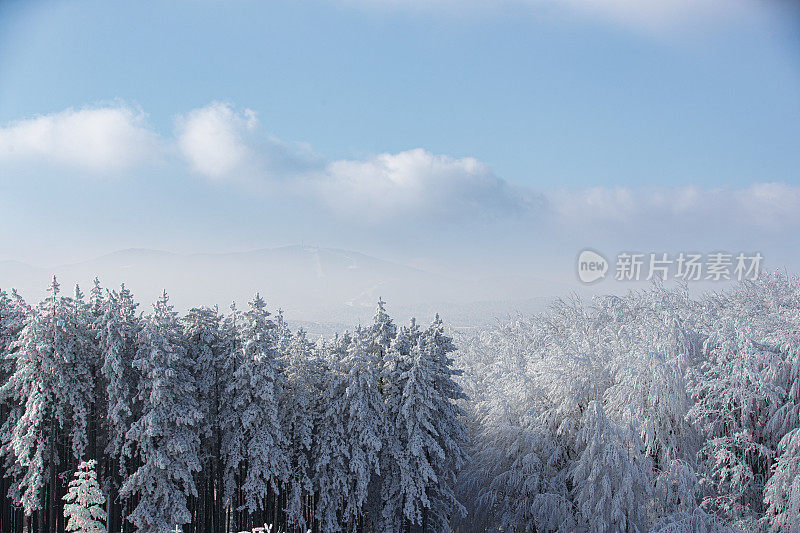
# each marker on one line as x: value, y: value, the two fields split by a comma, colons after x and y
x: 309, y: 284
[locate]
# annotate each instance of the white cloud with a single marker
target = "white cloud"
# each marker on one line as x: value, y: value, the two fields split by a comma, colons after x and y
x: 226, y: 145
x: 97, y: 139
x: 416, y: 182
x: 213, y: 139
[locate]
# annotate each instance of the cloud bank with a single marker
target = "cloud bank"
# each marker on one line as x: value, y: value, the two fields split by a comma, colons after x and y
x: 228, y: 147
x: 96, y: 139
x: 419, y: 182
x: 769, y: 206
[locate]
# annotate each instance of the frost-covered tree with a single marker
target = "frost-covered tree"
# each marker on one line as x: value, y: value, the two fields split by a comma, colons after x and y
x: 96, y: 299
x: 652, y: 340
x: 84, y: 501
x: 610, y: 475
x: 447, y: 428
x: 364, y: 412
x: 257, y: 439
x: 92, y: 313
x: 746, y: 391
x: 117, y: 331
x: 782, y: 490
x: 394, y: 367
x: 299, y: 413
x: 331, y: 451
x: 213, y: 370
x: 13, y: 316
x: 165, y: 435
x: 12, y: 319
x: 232, y: 439
x: 381, y: 332
x: 517, y: 472
x: 676, y: 489
x: 531, y: 382
x: 80, y: 374
x: 51, y: 385
x: 430, y: 433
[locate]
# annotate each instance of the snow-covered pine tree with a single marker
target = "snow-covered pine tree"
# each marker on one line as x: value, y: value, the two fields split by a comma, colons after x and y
x: 381, y: 331
x: 431, y: 435
x: 284, y: 338
x: 48, y: 382
x: 12, y: 319
x: 257, y: 439
x: 80, y: 364
x: 117, y: 332
x: 394, y: 371
x: 97, y: 430
x: 364, y: 411
x: 299, y: 408
x: 84, y: 501
x: 117, y: 329
x: 299, y: 413
x: 330, y: 454
x: 165, y: 436
x: 13, y: 315
x: 96, y: 299
x: 213, y: 368
x: 447, y: 422
x: 231, y: 451
x: 379, y: 335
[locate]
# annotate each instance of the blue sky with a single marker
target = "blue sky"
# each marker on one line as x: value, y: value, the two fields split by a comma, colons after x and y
x: 397, y: 127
